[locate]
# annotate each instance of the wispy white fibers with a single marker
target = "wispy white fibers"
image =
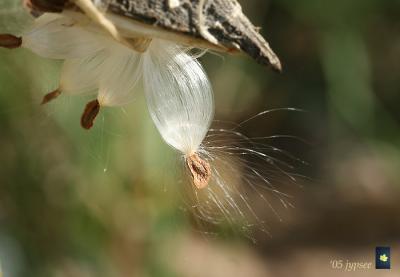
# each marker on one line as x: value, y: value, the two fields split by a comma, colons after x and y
x: 179, y: 95
x: 223, y: 175
x: 122, y: 70
x: 248, y: 183
x: 58, y: 37
x: 79, y: 76
x: 231, y: 177
x: 94, y: 62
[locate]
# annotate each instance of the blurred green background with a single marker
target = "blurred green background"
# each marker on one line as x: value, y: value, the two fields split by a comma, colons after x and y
x: 105, y: 202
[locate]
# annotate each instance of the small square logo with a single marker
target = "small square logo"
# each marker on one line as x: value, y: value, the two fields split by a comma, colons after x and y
x: 382, y: 257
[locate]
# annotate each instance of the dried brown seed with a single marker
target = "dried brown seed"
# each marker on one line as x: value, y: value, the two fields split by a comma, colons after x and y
x: 51, y: 96
x: 200, y: 170
x: 10, y: 41
x: 89, y: 114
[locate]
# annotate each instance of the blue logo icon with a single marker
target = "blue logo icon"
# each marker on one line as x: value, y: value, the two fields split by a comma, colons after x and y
x: 382, y: 257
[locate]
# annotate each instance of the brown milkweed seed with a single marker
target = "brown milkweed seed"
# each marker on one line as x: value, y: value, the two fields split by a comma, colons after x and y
x: 89, y: 114
x: 200, y: 170
x: 51, y: 96
x: 10, y: 41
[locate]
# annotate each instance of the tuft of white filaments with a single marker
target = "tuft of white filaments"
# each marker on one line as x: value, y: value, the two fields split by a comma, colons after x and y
x: 226, y: 168
x: 180, y: 101
x: 250, y: 181
x: 97, y: 63
x: 94, y: 62
x: 233, y: 177
x: 178, y: 87
x: 223, y: 172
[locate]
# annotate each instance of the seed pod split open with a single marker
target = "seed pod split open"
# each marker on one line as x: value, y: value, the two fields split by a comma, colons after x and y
x: 213, y: 24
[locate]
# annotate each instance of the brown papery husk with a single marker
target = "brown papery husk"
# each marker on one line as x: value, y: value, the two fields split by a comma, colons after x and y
x: 200, y: 171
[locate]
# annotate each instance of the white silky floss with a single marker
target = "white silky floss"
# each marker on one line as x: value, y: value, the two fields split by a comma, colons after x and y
x: 178, y: 92
x: 181, y: 104
x: 179, y: 96
x: 180, y: 101
x: 94, y: 62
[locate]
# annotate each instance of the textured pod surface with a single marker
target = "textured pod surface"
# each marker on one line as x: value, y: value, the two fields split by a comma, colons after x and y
x: 227, y: 27
x: 223, y: 19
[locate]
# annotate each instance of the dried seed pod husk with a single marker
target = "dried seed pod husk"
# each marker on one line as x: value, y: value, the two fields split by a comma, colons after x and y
x: 217, y: 24
x: 224, y: 22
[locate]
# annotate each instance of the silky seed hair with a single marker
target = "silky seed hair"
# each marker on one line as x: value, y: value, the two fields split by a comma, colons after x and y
x: 225, y: 170
x: 180, y: 102
x: 251, y: 181
x: 241, y: 182
x: 179, y: 96
x: 95, y: 61
x: 55, y: 36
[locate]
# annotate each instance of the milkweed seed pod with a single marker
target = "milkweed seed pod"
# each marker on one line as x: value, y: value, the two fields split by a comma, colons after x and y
x: 101, y: 55
x: 212, y: 24
x: 106, y: 51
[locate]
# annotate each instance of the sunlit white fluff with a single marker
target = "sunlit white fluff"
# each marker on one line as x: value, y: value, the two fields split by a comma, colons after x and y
x: 98, y: 63
x: 121, y: 71
x: 58, y: 37
x: 227, y: 171
x: 80, y: 76
x: 179, y: 96
x: 250, y: 181
x: 93, y: 62
x: 181, y: 105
